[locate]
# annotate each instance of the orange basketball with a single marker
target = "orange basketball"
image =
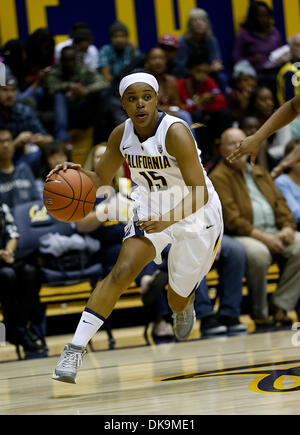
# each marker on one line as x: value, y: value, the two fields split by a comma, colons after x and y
x: 69, y: 195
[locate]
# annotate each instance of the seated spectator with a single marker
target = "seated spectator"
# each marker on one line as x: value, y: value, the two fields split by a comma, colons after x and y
x: 53, y: 153
x: 116, y: 56
x: 15, y: 59
x: 289, y: 184
x: 81, y: 38
x: 17, y: 183
x: 76, y: 91
x: 168, y: 98
x: 27, y: 131
x: 111, y: 233
x: 257, y: 40
x: 202, y: 97
x: 199, y: 41
x: 170, y: 44
x: 40, y: 53
x: 288, y: 80
x: 244, y: 83
x: 19, y: 287
x: 250, y: 124
x: 262, y: 105
x: 257, y: 215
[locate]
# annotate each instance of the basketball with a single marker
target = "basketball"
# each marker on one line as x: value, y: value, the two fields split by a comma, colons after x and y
x: 69, y: 195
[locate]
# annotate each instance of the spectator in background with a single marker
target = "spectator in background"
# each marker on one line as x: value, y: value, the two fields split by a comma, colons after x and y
x: 244, y: 82
x: 19, y: 286
x: 17, y: 183
x: 170, y: 44
x: 289, y: 184
x: 202, y: 97
x: 257, y: 40
x: 81, y: 38
x: 262, y: 105
x: 27, y: 131
x: 250, y: 124
x: 75, y: 88
x: 199, y: 41
x: 257, y: 215
x: 116, y: 56
x: 288, y: 80
x: 53, y: 153
x: 168, y: 98
x: 40, y: 54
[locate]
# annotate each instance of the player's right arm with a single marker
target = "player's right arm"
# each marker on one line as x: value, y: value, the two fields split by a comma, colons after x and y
x: 108, y: 165
x: 283, y: 116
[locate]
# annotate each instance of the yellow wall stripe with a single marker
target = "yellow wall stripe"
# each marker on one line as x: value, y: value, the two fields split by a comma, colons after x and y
x: 36, y: 13
x: 125, y: 11
x: 165, y: 20
x: 291, y: 12
x: 8, y: 21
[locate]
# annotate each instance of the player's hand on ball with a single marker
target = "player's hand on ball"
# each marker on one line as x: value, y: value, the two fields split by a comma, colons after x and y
x: 154, y: 225
x: 64, y: 166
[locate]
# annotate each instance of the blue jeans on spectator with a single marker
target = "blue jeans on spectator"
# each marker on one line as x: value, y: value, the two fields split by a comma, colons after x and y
x: 231, y: 269
x: 72, y: 113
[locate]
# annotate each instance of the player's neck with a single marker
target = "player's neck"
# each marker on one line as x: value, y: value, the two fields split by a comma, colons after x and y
x: 145, y: 132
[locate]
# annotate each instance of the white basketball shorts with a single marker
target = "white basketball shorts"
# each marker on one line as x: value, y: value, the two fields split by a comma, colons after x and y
x: 194, y: 243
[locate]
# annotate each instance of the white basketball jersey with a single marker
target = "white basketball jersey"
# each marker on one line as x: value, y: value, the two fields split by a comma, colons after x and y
x: 160, y: 185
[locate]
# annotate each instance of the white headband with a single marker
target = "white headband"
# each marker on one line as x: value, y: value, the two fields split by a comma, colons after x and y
x: 138, y: 78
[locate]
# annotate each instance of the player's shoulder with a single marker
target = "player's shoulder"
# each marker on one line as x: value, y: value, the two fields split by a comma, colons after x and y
x: 117, y: 134
x: 176, y: 130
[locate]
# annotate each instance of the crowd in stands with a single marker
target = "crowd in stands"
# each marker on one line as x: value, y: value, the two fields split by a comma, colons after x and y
x: 51, y: 89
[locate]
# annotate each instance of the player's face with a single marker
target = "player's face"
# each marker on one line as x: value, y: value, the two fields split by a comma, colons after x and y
x: 140, y: 103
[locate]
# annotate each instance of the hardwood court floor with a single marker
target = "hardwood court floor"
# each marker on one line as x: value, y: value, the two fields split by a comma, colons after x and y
x: 253, y: 374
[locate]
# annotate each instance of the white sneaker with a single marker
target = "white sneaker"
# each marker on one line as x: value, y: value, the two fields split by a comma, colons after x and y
x: 183, y: 323
x: 68, y: 364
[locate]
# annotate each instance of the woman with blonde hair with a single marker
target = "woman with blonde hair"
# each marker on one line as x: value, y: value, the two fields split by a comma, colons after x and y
x: 199, y: 41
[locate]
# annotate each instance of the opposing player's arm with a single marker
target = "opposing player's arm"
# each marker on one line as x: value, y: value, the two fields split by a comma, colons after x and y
x: 281, y: 117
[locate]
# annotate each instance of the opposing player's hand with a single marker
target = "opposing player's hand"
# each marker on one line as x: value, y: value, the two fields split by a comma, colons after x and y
x: 64, y: 166
x: 248, y: 147
x: 153, y: 226
x: 287, y: 162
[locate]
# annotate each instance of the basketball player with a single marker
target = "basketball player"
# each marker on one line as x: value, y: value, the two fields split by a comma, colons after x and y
x: 283, y: 116
x: 164, y: 161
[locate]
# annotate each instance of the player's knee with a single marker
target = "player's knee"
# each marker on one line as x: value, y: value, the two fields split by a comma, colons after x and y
x: 122, y: 275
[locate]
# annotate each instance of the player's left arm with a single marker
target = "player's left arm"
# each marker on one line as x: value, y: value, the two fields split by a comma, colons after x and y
x: 180, y: 144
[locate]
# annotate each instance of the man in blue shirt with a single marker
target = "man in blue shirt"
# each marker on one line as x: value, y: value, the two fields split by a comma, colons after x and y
x: 23, y: 124
x: 17, y: 183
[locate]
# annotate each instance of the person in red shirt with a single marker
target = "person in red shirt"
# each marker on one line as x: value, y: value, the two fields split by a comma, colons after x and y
x: 202, y: 97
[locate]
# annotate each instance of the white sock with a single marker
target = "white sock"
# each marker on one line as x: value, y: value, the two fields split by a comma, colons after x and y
x: 87, y: 327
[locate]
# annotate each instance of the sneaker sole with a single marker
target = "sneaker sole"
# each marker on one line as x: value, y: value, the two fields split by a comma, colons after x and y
x: 188, y: 332
x: 67, y: 379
